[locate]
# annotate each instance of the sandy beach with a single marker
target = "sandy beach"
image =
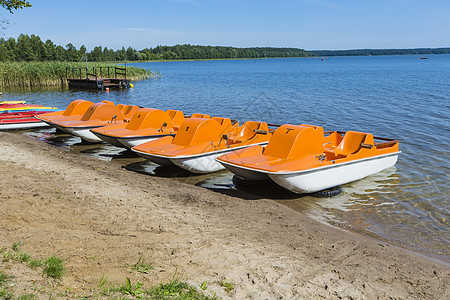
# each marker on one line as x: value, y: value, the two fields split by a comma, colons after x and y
x: 101, y: 218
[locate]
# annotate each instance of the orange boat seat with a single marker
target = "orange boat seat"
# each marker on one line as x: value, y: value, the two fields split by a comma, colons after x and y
x: 176, y: 116
x: 149, y: 118
x: 77, y: 107
x: 203, y: 116
x: 225, y: 123
x: 295, y: 141
x: 249, y: 131
x: 102, y: 111
x: 196, y: 131
x: 129, y: 110
x: 350, y: 144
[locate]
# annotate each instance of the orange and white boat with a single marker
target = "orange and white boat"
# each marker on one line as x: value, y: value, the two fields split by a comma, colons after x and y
x: 97, y: 115
x: 302, y: 159
x: 145, y: 125
x: 75, y: 110
x: 199, y: 141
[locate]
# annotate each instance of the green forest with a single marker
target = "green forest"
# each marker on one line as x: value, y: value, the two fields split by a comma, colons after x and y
x: 367, y: 52
x: 32, y: 48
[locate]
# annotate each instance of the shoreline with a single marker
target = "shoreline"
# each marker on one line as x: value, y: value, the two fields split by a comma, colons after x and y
x: 282, y: 57
x: 437, y: 258
x: 81, y: 207
x: 220, y: 182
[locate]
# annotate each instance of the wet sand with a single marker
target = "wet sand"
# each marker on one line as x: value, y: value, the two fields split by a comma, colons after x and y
x: 101, y: 218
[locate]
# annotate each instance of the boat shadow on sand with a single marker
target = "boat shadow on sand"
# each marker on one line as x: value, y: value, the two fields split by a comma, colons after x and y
x: 221, y: 182
x: 110, y: 152
x: 231, y: 185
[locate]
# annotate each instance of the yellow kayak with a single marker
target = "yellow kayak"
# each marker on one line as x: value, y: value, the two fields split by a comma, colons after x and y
x: 13, y: 102
x: 26, y: 107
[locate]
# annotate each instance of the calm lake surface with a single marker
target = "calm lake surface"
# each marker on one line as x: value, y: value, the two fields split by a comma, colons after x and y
x: 399, y: 97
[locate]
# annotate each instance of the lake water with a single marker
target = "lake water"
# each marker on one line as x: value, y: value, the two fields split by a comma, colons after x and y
x: 399, y: 97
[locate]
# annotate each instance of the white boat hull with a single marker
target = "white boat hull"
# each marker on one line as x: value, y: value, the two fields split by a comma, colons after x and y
x: 84, y: 133
x: 206, y: 162
x: 52, y: 125
x: 19, y: 126
x: 246, y: 173
x: 319, y: 179
x: 109, y: 139
x: 63, y: 129
x: 132, y: 142
x: 160, y: 160
x: 200, y: 165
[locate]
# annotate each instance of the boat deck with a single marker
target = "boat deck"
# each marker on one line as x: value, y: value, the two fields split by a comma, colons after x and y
x: 98, y: 83
x: 97, y: 78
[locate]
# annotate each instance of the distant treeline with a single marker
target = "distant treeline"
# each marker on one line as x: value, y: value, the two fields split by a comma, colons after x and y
x: 218, y: 52
x: 366, y: 52
x: 31, y: 48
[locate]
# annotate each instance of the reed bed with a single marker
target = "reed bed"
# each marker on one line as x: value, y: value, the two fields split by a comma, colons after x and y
x: 45, y: 74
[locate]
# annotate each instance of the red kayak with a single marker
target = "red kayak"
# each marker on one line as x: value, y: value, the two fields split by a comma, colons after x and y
x: 21, y: 114
x: 21, y: 120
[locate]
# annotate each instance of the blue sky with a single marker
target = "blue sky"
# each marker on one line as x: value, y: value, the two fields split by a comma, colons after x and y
x: 306, y: 24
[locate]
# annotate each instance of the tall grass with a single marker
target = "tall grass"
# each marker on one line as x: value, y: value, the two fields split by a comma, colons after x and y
x: 35, y: 74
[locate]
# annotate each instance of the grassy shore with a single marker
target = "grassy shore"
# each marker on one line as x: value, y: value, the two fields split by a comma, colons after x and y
x: 25, y: 277
x: 34, y: 74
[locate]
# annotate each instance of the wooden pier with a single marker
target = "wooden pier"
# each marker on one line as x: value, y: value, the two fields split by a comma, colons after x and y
x: 100, y: 78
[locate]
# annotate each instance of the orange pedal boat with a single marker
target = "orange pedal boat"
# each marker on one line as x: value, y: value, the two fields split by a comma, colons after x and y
x: 302, y: 159
x: 145, y: 125
x: 199, y: 141
x: 75, y: 110
x: 97, y: 115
